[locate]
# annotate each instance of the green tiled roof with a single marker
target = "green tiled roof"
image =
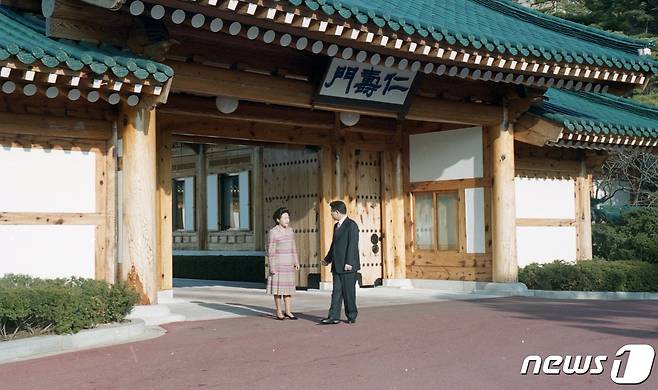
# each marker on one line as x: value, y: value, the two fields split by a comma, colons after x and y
x: 501, y: 26
x: 596, y: 113
x: 23, y: 36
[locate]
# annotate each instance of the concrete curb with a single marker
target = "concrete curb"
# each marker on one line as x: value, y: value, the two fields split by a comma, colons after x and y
x: 513, y: 289
x: 48, y: 345
x: 504, y: 289
x: 154, y: 314
x: 601, y: 295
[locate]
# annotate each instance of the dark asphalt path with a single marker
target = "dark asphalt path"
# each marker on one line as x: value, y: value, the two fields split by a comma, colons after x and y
x: 476, y: 344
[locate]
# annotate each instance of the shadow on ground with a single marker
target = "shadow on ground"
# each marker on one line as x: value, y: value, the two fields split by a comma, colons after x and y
x: 253, y: 311
x: 607, y: 317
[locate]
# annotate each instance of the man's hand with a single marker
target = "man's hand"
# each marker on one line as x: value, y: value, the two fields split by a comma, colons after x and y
x: 324, y: 262
x: 348, y: 267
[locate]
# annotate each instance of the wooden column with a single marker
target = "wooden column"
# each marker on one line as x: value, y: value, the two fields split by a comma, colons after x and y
x: 505, y: 265
x: 327, y: 182
x: 393, y: 245
x: 201, y: 198
x: 164, y: 210
x: 139, y: 201
x: 102, y: 201
x: 583, y: 214
x: 406, y: 197
x: 111, y: 210
x: 258, y: 198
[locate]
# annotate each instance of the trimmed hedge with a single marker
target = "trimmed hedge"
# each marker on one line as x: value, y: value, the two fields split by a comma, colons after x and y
x: 595, y: 275
x: 229, y: 268
x: 634, y: 236
x: 35, y: 306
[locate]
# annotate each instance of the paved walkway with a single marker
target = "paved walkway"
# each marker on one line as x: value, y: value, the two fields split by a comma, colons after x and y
x: 206, y: 300
x: 430, y: 344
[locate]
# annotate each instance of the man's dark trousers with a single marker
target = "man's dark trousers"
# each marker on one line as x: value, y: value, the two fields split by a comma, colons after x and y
x: 344, y: 290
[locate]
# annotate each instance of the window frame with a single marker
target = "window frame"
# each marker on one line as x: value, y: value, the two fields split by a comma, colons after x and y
x: 174, y: 218
x: 220, y: 201
x: 435, y: 220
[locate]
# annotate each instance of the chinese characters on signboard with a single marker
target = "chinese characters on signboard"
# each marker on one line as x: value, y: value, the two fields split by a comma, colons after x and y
x: 367, y: 83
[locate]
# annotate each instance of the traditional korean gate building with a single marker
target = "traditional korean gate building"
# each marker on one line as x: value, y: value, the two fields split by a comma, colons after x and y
x: 462, y: 134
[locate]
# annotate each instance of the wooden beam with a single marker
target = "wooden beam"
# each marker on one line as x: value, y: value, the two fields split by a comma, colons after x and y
x: 421, y: 127
x: 29, y: 5
x: 164, y: 210
x: 450, y: 259
x: 545, y: 222
x: 247, y: 111
x: 435, y: 110
x: 51, y: 126
x: 505, y: 265
x: 75, y: 20
x: 373, y: 125
x: 211, y: 81
x: 30, y: 218
x: 139, y: 201
x: 543, y: 164
x: 534, y: 130
x: 445, y: 185
x: 269, y: 133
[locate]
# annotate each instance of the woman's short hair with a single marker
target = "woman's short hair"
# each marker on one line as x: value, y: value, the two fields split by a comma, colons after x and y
x: 278, y: 213
x: 339, y: 206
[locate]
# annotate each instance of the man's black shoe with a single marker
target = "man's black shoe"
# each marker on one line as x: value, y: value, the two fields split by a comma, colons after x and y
x: 329, y: 321
x: 351, y: 321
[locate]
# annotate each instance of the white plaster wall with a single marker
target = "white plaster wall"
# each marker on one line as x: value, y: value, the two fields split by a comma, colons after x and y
x: 545, y: 198
x: 47, y: 251
x: 446, y: 155
x: 46, y: 180
x: 475, y: 239
x: 545, y: 244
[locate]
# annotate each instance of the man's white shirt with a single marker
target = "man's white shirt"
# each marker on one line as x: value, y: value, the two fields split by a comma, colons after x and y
x: 341, y: 222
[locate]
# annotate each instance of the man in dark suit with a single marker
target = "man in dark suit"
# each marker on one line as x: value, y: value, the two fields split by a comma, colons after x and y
x: 343, y: 256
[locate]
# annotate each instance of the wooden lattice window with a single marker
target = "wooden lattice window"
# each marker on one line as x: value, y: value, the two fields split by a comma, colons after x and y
x: 436, y: 221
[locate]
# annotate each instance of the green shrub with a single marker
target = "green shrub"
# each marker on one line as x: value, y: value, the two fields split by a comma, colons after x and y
x: 635, y: 236
x: 595, y: 275
x: 37, y: 306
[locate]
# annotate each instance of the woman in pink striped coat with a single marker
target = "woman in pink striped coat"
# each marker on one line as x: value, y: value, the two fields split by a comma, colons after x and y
x: 283, y: 263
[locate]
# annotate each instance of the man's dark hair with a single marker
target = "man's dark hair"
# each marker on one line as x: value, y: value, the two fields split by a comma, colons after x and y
x: 339, y: 206
x: 278, y: 213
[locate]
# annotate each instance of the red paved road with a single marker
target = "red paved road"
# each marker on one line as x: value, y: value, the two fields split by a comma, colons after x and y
x: 446, y: 345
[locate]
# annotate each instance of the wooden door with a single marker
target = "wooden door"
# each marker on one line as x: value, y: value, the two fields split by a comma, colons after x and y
x: 365, y: 193
x: 291, y: 179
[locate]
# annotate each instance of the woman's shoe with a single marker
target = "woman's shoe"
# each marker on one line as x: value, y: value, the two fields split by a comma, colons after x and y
x: 279, y: 318
x: 291, y: 316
